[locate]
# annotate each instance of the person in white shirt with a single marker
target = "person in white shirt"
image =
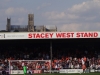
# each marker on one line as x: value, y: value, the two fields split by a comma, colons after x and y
x: 83, y: 61
x: 56, y: 66
x: 78, y: 66
x: 72, y: 66
x: 91, y: 66
x: 96, y: 66
x: 23, y: 64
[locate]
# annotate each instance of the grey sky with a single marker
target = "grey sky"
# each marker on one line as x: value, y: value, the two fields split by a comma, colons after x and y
x: 67, y: 15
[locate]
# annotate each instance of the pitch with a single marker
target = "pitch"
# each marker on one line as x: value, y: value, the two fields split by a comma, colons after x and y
x: 65, y: 74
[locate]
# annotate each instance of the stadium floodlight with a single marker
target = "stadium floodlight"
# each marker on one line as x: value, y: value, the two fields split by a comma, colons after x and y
x: 51, y: 53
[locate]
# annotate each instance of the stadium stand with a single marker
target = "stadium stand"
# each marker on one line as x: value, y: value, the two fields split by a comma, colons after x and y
x: 67, y: 54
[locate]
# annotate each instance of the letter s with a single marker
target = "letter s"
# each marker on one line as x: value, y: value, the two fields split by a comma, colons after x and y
x: 29, y: 35
x: 78, y: 35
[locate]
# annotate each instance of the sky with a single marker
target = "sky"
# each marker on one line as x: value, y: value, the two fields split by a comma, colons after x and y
x: 67, y: 15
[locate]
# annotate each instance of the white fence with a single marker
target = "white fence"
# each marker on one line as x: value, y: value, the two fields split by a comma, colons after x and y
x: 53, y: 71
x: 71, y: 71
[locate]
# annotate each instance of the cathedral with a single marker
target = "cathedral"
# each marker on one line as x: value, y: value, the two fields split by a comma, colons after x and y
x: 30, y: 27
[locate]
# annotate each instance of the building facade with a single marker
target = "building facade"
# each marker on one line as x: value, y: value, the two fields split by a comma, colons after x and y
x: 30, y: 27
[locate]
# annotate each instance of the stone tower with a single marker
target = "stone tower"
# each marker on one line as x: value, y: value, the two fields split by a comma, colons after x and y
x: 8, y: 24
x: 30, y: 22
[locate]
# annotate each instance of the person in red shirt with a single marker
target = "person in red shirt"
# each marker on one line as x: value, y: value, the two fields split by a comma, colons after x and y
x: 84, y: 68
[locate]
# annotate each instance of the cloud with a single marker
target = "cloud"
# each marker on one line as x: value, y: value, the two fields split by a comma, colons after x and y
x: 80, y: 27
x: 18, y: 16
x: 55, y: 15
x: 12, y: 10
x: 70, y: 27
x: 43, y: 6
x: 79, y: 17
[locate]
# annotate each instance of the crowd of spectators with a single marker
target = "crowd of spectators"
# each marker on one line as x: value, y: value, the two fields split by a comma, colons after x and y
x: 66, y: 56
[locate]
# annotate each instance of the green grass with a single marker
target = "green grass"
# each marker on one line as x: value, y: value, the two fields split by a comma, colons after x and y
x: 66, y: 74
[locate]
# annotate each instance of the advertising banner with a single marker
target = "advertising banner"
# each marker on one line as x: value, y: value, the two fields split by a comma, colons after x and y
x: 49, y: 35
x: 71, y: 71
x: 2, y: 36
x: 21, y: 71
x: 17, y: 72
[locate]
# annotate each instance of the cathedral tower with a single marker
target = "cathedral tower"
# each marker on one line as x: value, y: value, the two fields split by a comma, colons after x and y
x: 8, y: 24
x: 30, y: 22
